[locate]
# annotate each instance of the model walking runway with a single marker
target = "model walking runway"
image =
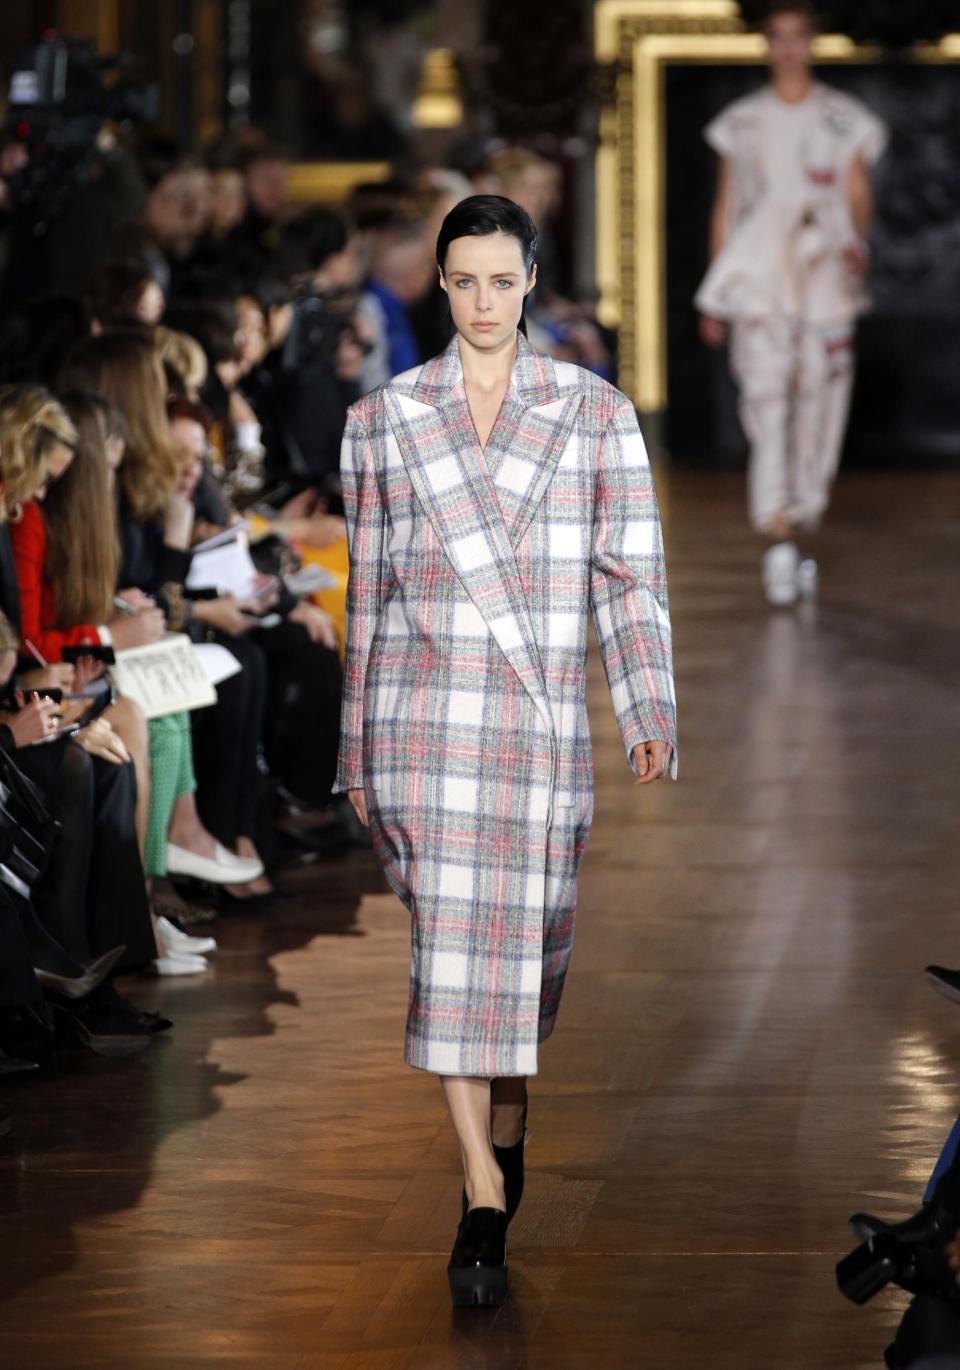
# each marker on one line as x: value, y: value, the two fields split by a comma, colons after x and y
x: 747, y: 1052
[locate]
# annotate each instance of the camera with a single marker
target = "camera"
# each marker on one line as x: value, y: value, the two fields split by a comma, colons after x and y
x: 912, y: 1254
x: 321, y: 319
x: 62, y: 94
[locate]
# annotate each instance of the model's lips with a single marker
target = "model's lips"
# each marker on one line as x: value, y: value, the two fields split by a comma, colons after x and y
x: 483, y: 323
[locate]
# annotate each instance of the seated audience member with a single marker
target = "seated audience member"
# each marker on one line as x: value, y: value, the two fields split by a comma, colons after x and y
x: 154, y: 524
x: 184, y: 361
x: 229, y: 195
x: 254, y: 240
x: 301, y: 660
x: 127, y: 293
x: 91, y: 898
x: 174, y: 217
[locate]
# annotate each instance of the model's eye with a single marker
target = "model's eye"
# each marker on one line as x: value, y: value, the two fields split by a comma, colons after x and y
x: 506, y: 284
x: 463, y: 282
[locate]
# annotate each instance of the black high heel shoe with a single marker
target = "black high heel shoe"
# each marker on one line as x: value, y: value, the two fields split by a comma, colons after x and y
x: 478, y: 1262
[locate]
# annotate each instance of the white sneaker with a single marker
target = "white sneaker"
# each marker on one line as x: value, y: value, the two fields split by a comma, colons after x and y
x: 177, y: 963
x: 807, y: 577
x: 223, y: 869
x: 779, y: 569
x: 181, y: 943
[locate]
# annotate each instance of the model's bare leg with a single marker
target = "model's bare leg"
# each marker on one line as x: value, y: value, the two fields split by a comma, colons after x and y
x: 468, y: 1099
x: 508, y: 1098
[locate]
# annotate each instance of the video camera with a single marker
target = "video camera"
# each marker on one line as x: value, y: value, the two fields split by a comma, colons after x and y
x: 62, y: 94
x: 321, y: 319
x: 913, y: 1255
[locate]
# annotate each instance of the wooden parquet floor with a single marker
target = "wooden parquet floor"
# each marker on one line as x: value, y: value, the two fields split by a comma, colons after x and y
x: 747, y: 1051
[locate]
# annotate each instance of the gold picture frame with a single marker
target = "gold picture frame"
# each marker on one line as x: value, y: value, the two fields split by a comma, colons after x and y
x: 636, y: 40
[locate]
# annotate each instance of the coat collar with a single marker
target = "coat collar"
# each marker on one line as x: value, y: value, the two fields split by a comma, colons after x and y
x: 533, y: 379
x: 479, y: 506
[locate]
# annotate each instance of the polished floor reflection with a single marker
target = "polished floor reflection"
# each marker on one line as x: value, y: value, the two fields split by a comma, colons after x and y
x: 747, y: 1051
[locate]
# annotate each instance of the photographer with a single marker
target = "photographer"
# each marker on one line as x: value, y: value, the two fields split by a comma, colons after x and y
x: 315, y: 375
x: 68, y: 173
x: 922, y: 1255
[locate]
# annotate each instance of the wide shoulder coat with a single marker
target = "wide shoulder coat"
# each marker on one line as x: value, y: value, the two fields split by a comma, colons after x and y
x: 464, y: 720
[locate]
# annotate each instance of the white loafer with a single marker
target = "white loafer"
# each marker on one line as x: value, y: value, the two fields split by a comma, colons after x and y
x: 223, y: 869
x: 179, y: 964
x: 181, y: 943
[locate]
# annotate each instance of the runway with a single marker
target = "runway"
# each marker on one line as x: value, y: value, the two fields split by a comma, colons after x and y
x: 747, y: 1051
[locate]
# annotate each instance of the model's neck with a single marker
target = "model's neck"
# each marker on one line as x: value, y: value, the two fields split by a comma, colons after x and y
x: 792, y: 87
x: 488, y: 368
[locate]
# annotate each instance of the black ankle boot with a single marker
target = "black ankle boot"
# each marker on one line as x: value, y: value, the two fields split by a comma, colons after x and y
x: 478, y: 1262
x: 510, y: 1161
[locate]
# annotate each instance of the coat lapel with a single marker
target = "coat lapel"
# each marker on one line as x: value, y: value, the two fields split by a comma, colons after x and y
x: 438, y: 445
x: 529, y: 438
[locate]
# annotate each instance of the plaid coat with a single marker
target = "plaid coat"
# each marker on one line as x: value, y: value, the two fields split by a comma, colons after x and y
x: 464, y: 721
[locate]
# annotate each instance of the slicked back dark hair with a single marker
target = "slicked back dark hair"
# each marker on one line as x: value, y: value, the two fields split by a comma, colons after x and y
x: 478, y: 216
x: 802, y: 8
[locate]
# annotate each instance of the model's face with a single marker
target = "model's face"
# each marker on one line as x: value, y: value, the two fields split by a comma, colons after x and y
x: 486, y: 282
x: 790, y: 44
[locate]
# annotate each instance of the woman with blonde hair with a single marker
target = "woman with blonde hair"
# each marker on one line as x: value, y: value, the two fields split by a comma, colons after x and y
x: 184, y: 356
x: 38, y: 443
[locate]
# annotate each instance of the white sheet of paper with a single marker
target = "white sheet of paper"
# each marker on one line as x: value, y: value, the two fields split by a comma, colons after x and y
x: 228, y: 568
x: 218, y: 662
x: 309, y: 579
x: 226, y: 535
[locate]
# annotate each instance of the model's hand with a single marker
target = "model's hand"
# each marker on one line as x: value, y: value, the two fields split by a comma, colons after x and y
x: 359, y: 801
x: 713, y: 331
x: 652, y: 761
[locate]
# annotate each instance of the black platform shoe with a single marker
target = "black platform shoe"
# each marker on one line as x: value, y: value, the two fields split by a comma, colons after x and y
x: 478, y: 1262
x: 510, y: 1161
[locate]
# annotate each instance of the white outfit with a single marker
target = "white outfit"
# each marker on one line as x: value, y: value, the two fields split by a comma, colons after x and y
x: 782, y: 280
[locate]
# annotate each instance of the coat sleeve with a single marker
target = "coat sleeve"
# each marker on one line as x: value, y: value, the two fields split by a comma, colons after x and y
x: 366, y: 590
x: 628, y: 588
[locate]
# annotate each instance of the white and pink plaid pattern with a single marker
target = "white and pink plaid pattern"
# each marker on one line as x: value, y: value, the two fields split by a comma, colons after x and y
x: 464, y: 718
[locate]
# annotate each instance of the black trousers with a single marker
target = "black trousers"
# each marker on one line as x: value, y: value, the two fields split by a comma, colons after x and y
x: 302, y: 729
x: 18, y: 985
x: 92, y: 896
x: 226, y: 743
